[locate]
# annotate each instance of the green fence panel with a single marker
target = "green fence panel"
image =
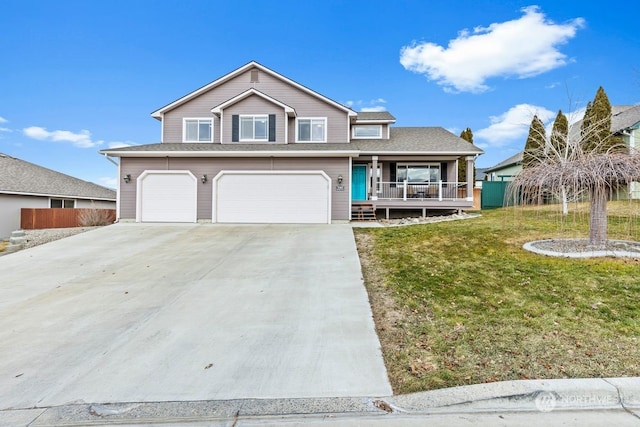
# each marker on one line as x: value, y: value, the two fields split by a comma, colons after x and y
x: 493, y: 194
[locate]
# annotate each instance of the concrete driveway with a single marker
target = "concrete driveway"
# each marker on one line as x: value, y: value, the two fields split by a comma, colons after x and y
x: 134, y: 313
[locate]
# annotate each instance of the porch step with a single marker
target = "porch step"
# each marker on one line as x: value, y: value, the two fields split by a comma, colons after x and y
x: 363, y: 212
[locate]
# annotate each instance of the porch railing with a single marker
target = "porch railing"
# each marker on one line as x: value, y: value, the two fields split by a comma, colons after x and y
x: 405, y: 190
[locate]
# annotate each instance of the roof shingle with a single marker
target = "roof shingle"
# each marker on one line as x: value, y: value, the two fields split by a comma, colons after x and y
x: 21, y: 177
x: 414, y: 140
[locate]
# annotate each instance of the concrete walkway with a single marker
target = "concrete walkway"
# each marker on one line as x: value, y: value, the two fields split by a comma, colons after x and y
x: 149, y: 313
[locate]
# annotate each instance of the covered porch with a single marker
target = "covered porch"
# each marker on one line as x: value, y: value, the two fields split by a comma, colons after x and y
x: 410, y: 183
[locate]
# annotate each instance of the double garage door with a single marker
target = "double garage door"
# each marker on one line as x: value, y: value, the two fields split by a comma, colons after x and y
x: 238, y: 197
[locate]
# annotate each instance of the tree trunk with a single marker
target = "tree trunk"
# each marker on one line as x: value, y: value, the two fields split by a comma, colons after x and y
x: 565, y: 204
x: 598, y: 220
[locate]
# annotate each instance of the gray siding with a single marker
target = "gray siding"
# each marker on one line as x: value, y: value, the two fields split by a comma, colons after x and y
x: 340, y: 204
x: 255, y: 105
x: 305, y: 105
x: 10, y: 206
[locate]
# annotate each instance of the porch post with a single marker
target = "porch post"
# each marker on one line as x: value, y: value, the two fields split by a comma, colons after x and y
x: 471, y: 179
x: 374, y: 178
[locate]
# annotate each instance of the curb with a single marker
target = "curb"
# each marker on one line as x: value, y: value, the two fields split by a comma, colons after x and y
x: 541, y: 396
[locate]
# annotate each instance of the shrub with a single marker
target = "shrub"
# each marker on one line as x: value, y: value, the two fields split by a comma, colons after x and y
x: 93, y: 217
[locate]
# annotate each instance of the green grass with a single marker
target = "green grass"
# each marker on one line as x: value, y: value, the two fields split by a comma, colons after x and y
x: 461, y: 302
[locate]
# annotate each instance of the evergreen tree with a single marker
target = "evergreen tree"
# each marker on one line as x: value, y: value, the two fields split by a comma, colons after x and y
x: 467, y: 135
x: 559, y: 135
x: 596, y: 125
x: 535, y: 145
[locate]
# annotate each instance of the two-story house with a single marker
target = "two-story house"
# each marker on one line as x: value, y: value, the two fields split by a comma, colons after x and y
x: 256, y: 147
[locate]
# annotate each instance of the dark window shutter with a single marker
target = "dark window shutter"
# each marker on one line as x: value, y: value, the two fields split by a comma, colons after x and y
x: 392, y: 173
x: 272, y: 127
x: 443, y: 172
x: 235, y: 128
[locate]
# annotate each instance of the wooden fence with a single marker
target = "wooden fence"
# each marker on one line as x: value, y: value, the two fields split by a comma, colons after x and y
x: 39, y: 218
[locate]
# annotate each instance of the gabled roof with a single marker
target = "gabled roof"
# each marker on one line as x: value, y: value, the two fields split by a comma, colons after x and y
x: 516, y: 159
x: 24, y: 178
x: 624, y: 117
x: 402, y: 141
x: 249, y: 92
x: 374, y: 117
x: 418, y: 140
x: 253, y: 64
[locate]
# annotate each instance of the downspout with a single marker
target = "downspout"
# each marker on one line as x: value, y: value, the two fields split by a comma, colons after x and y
x: 106, y: 156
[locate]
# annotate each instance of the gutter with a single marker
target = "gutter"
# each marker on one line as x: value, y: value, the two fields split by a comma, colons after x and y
x: 351, y: 153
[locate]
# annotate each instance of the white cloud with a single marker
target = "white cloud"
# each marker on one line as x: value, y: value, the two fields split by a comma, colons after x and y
x: 512, y: 125
x: 373, y: 109
x: 371, y: 106
x: 523, y: 47
x: 120, y: 144
x: 81, y: 139
x: 108, y: 181
x: 3, y: 129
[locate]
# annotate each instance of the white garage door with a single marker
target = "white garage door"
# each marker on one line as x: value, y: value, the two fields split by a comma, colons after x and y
x: 167, y: 196
x: 272, y: 197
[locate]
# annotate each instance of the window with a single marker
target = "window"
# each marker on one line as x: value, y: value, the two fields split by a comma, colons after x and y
x: 198, y: 130
x: 254, y: 128
x: 311, y: 130
x: 417, y: 173
x: 62, y: 203
x: 367, y: 131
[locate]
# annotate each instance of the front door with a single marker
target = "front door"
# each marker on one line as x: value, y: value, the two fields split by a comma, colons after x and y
x: 359, y: 182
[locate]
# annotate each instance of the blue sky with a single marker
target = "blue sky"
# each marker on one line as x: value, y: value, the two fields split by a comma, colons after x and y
x: 80, y: 76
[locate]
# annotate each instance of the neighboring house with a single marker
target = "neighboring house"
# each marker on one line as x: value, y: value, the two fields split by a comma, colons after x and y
x: 506, y: 169
x: 480, y: 174
x: 256, y: 147
x: 625, y: 122
x: 25, y: 185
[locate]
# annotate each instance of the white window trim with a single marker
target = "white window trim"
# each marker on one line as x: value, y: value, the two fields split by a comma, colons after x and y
x: 326, y: 129
x: 253, y: 116
x: 184, y: 129
x: 353, y: 132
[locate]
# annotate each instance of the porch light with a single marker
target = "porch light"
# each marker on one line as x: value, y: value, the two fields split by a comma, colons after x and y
x: 339, y: 179
x: 127, y: 178
x: 204, y: 178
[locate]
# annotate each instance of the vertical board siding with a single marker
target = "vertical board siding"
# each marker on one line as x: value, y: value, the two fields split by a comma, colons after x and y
x: 306, y: 105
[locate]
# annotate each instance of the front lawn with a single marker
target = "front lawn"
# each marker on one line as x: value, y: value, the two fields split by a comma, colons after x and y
x: 461, y: 302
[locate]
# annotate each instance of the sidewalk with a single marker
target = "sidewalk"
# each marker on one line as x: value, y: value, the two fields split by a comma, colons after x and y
x: 610, y: 401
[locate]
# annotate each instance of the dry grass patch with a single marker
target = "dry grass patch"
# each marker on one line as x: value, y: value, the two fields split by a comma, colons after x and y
x: 3, y: 246
x: 461, y: 302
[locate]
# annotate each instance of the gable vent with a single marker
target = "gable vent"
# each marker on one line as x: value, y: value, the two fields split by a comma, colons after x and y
x: 254, y: 76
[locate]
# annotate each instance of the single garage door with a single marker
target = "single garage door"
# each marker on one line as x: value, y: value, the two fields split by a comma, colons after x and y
x: 167, y: 196
x: 272, y: 197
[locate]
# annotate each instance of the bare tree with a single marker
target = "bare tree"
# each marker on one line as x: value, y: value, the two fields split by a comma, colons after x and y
x: 573, y: 167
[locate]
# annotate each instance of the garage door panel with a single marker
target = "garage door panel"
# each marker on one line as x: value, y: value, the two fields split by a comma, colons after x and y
x: 273, y: 198
x: 167, y: 197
